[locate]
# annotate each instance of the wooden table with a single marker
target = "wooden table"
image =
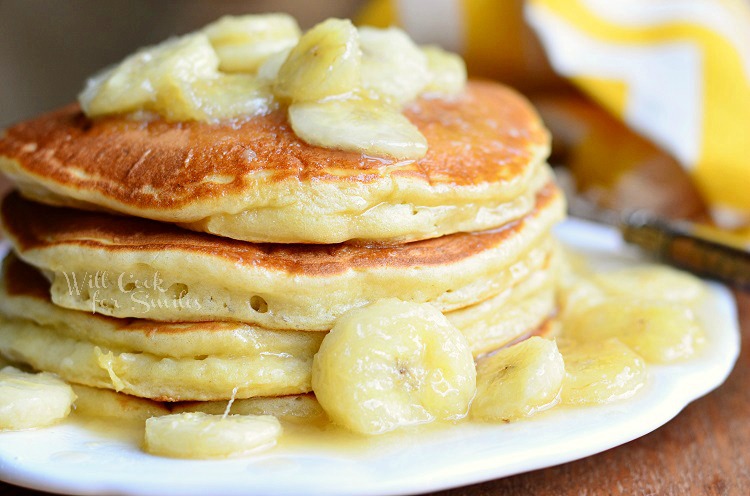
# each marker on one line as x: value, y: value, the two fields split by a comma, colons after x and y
x: 705, y: 450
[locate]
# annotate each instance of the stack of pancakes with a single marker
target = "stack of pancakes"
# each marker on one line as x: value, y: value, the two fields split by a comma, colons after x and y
x: 206, y: 261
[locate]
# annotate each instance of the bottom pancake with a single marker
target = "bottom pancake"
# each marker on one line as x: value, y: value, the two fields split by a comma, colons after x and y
x: 163, y: 361
x: 209, y: 360
x: 517, y: 311
x: 105, y: 403
x: 150, y: 376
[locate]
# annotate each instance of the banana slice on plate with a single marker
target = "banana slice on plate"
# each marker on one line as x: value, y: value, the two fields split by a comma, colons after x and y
x: 519, y: 381
x: 600, y: 372
x: 28, y: 400
x: 243, y: 43
x: 393, y: 364
x: 578, y: 295
x: 325, y: 62
x: 392, y: 65
x: 651, y: 282
x: 360, y: 125
x: 201, y: 435
x: 659, y: 331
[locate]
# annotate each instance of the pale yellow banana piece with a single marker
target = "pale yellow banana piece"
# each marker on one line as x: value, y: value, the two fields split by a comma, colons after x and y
x: 139, y: 81
x: 659, y: 331
x: 178, y: 79
x: 573, y: 267
x: 28, y: 400
x: 200, y: 435
x: 651, y: 282
x: 226, y: 96
x: 447, y: 71
x: 269, y: 69
x: 243, y: 43
x: 579, y: 295
x: 393, y: 364
x: 358, y: 125
x: 392, y: 65
x: 600, y: 372
x: 518, y: 381
x: 325, y: 62
x: 105, y: 403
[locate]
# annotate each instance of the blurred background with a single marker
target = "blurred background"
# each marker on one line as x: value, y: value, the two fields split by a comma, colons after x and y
x: 648, y: 102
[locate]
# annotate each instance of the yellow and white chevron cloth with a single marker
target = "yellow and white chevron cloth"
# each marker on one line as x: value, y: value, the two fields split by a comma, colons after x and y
x: 676, y: 71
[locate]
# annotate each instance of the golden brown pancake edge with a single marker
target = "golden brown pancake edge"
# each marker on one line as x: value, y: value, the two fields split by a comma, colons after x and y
x: 489, y: 135
x: 32, y: 225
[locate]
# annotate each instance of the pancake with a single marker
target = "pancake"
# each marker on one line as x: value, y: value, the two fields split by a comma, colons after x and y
x: 196, y: 361
x: 511, y: 314
x: 150, y: 376
x: 114, y: 406
x: 300, y: 408
x: 186, y: 276
x: 24, y: 294
x: 254, y: 180
x: 108, y: 404
x: 166, y: 362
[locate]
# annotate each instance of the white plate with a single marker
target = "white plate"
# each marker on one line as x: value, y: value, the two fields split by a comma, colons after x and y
x: 71, y: 459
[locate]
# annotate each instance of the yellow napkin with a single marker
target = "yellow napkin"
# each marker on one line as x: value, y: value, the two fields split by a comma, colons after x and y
x: 675, y: 71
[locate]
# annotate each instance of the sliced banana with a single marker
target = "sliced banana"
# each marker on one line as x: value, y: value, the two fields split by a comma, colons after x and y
x: 519, y: 381
x: 392, y: 65
x: 393, y: 364
x: 105, y: 403
x: 142, y: 79
x: 573, y: 265
x: 447, y: 71
x: 358, y: 125
x: 578, y: 295
x: 326, y: 62
x: 178, y: 79
x: 28, y: 400
x: 651, y: 282
x: 243, y: 43
x: 659, y: 331
x: 601, y: 372
x: 200, y: 435
x: 226, y: 96
x: 269, y: 69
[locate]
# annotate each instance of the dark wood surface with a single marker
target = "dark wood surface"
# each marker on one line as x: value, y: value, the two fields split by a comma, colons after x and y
x: 705, y: 450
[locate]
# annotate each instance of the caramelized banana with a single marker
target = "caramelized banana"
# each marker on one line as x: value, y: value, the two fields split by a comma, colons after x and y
x: 601, y: 372
x: 360, y: 125
x: 393, y: 364
x: 243, y: 43
x: 519, y: 381
x: 32, y: 400
x: 200, y: 435
x: 659, y: 331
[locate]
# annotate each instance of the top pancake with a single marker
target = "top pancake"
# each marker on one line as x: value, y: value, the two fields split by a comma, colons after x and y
x: 255, y: 180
